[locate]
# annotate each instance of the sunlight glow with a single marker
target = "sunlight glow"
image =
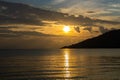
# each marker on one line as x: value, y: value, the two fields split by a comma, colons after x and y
x: 66, y: 29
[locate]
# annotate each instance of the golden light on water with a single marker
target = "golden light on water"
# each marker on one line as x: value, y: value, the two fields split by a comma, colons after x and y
x: 66, y: 63
x: 66, y: 29
x: 66, y: 60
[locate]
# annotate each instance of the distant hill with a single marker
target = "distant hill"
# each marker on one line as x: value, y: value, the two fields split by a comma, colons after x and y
x: 18, y: 13
x: 110, y: 39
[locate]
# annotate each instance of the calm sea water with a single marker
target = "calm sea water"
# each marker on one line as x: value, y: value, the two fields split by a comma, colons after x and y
x: 65, y: 64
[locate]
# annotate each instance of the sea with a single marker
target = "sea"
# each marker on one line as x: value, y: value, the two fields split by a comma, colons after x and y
x: 61, y: 64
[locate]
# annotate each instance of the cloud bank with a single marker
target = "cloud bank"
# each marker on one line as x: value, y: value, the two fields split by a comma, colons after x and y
x: 91, y: 8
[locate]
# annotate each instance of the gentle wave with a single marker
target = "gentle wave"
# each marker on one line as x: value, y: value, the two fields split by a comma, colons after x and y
x: 60, y: 65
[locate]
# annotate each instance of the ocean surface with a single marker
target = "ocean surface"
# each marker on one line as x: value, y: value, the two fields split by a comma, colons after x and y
x: 63, y: 64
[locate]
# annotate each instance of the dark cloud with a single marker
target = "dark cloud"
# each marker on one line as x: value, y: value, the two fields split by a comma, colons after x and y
x: 77, y: 29
x: 9, y: 33
x: 19, y: 20
x: 91, y: 12
x: 29, y: 27
x: 7, y: 27
x: 103, y: 29
x: 89, y: 24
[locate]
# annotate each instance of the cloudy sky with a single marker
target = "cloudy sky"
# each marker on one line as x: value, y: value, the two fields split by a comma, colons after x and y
x: 26, y: 27
x: 102, y: 9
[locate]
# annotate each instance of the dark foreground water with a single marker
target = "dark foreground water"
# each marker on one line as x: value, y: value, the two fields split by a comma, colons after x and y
x: 67, y: 64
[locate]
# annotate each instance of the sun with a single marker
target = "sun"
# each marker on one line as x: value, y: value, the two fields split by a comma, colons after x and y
x: 66, y: 29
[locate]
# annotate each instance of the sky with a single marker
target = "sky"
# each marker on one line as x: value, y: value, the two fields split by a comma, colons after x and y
x: 20, y: 29
x: 102, y: 9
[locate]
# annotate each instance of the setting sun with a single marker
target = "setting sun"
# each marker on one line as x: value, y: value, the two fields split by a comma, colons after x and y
x: 66, y: 29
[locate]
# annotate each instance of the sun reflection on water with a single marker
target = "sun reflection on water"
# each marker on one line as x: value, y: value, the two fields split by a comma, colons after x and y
x: 66, y: 63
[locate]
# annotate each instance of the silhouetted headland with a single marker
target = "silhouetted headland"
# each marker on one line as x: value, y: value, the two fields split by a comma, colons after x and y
x: 107, y: 40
